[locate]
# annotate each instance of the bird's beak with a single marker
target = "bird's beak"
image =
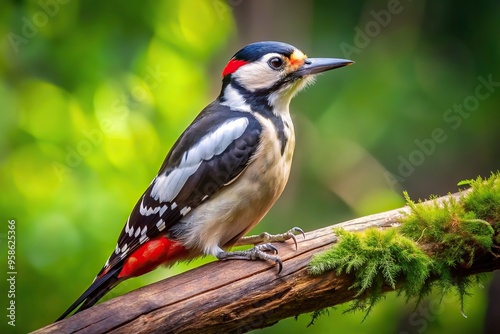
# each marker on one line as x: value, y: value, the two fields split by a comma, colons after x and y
x: 318, y: 65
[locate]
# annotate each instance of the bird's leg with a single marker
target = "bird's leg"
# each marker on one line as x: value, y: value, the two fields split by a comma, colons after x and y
x: 267, y: 238
x: 256, y: 253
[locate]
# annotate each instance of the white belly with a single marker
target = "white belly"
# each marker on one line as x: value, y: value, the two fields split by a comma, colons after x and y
x: 237, y: 208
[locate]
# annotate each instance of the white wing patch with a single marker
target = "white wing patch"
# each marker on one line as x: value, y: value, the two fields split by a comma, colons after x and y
x: 163, y: 209
x: 186, y: 210
x: 145, y: 211
x: 160, y: 225
x: 167, y: 187
x: 129, y: 230
x: 143, y: 237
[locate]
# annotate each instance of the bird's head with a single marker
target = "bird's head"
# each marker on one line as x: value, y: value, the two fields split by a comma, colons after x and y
x: 270, y: 74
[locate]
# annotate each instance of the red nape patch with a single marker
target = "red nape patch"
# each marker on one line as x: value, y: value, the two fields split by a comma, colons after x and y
x: 232, y: 66
x: 150, y: 255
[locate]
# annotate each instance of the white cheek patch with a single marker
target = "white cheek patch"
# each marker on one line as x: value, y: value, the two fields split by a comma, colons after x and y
x: 167, y: 187
x: 258, y: 75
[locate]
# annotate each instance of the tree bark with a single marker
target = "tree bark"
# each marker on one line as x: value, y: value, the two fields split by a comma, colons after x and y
x: 237, y: 296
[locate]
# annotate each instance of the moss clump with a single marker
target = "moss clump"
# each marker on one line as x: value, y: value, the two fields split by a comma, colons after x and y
x: 484, y: 199
x: 432, y: 241
x: 376, y: 258
x: 453, y: 233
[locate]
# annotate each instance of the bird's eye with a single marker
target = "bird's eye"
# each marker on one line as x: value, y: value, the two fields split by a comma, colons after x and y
x: 276, y: 63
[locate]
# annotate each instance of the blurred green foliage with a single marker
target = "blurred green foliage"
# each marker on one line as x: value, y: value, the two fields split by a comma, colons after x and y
x: 94, y: 93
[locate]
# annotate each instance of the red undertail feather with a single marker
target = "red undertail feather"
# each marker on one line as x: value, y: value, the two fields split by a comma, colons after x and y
x: 146, y: 258
x: 150, y: 255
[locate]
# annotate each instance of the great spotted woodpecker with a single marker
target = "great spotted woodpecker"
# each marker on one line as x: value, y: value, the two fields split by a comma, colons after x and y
x: 222, y: 175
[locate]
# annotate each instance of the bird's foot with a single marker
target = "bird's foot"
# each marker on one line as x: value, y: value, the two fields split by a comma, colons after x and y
x: 263, y: 246
x: 267, y: 238
x: 258, y: 252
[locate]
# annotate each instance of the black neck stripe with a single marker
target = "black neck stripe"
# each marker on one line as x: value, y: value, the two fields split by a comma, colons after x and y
x: 259, y: 102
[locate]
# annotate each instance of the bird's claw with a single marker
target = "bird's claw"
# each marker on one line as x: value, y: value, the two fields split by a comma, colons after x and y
x: 260, y: 253
x: 265, y: 247
x: 292, y: 232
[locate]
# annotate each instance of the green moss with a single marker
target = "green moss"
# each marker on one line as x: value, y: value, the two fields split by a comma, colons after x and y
x: 376, y: 258
x: 485, y: 198
x: 433, y: 240
x: 456, y: 232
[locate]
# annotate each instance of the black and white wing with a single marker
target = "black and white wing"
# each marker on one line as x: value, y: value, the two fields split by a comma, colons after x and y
x: 208, y: 156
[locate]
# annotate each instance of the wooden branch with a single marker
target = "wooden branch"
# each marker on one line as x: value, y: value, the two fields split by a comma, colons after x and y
x: 236, y: 296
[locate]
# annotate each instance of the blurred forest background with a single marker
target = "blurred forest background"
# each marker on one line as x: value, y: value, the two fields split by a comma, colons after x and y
x: 94, y: 93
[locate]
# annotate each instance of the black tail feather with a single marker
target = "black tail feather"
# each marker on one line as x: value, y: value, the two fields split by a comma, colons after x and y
x: 96, y: 291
